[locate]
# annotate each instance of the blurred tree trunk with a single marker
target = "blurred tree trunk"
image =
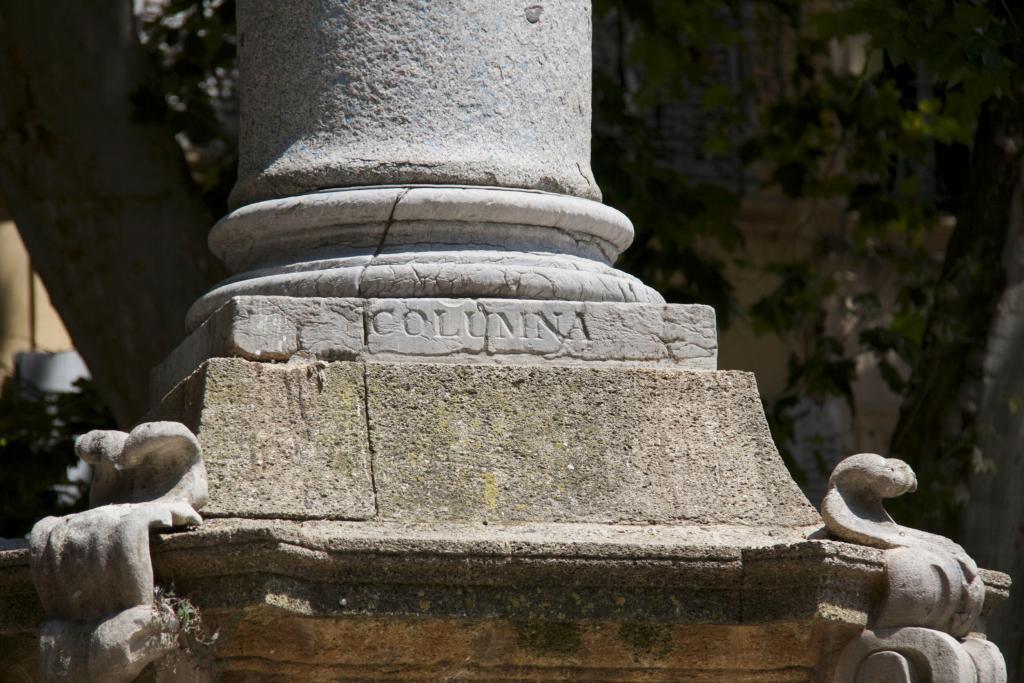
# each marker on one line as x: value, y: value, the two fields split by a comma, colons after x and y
x: 937, y: 432
x: 963, y: 411
x: 993, y: 527
x: 104, y: 204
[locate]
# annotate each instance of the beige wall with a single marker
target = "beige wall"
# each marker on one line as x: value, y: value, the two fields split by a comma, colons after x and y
x: 27, y: 319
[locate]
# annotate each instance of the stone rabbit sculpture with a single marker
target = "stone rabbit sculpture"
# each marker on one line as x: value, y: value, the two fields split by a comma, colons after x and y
x: 93, y: 570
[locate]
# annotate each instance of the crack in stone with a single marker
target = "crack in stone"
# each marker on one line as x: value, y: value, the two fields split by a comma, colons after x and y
x: 369, y: 439
x: 383, y: 239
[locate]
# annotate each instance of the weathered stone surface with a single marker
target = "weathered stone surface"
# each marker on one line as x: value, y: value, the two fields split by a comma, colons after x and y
x: 486, y: 443
x: 155, y: 462
x: 916, y: 654
x: 568, y: 444
x: 276, y: 328
x: 927, y: 627
x: 114, y: 649
x: 269, y: 329
x: 933, y: 582
x: 367, y: 93
x: 286, y: 441
x: 328, y: 600
x: 463, y: 173
x: 366, y: 219
x: 95, y: 563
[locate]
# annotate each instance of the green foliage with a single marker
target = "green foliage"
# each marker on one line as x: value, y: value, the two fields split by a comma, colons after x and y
x: 666, y: 51
x: 193, y: 635
x: 854, y: 139
x: 869, y: 141
x: 37, y: 432
x: 192, y: 45
x: 966, y: 46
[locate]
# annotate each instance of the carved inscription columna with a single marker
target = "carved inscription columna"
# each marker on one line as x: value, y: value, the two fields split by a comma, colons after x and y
x: 469, y: 324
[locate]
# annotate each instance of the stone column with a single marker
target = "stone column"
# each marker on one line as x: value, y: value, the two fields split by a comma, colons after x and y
x: 415, y: 184
x: 418, y: 149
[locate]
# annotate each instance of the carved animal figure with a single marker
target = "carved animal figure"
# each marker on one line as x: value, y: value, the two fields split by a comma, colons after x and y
x: 924, y: 629
x: 93, y: 570
x: 932, y: 581
x: 156, y: 462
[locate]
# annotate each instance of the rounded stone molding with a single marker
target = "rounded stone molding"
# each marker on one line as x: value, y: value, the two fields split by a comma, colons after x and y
x: 424, y: 241
x: 339, y: 93
x: 906, y: 655
x: 348, y: 219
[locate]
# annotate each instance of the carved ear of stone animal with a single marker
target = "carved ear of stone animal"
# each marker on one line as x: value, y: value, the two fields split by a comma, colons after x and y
x: 153, y: 442
x: 165, y: 463
x: 102, y: 449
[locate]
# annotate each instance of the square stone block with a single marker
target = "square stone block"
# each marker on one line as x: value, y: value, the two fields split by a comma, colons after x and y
x: 425, y: 442
x: 623, y: 445
x: 279, y: 440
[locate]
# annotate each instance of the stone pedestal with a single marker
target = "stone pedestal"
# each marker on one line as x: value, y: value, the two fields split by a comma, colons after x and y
x: 501, y: 444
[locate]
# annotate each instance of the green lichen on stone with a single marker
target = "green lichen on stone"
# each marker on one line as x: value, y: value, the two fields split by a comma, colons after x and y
x: 549, y: 637
x: 646, y: 640
x: 491, y: 490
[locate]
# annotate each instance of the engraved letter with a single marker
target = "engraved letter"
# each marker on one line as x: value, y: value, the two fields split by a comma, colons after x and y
x: 383, y: 325
x: 543, y: 323
x: 415, y: 323
x: 476, y: 325
x: 446, y: 316
x: 578, y: 331
x: 500, y: 327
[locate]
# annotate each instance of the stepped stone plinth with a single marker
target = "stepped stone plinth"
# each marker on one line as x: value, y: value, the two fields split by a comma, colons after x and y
x: 444, y: 438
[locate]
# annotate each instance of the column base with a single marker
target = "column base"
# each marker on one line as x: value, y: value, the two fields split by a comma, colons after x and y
x: 423, y: 442
x: 424, y: 241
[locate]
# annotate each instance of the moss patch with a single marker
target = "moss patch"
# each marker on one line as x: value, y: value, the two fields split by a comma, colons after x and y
x: 647, y: 640
x: 549, y: 637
